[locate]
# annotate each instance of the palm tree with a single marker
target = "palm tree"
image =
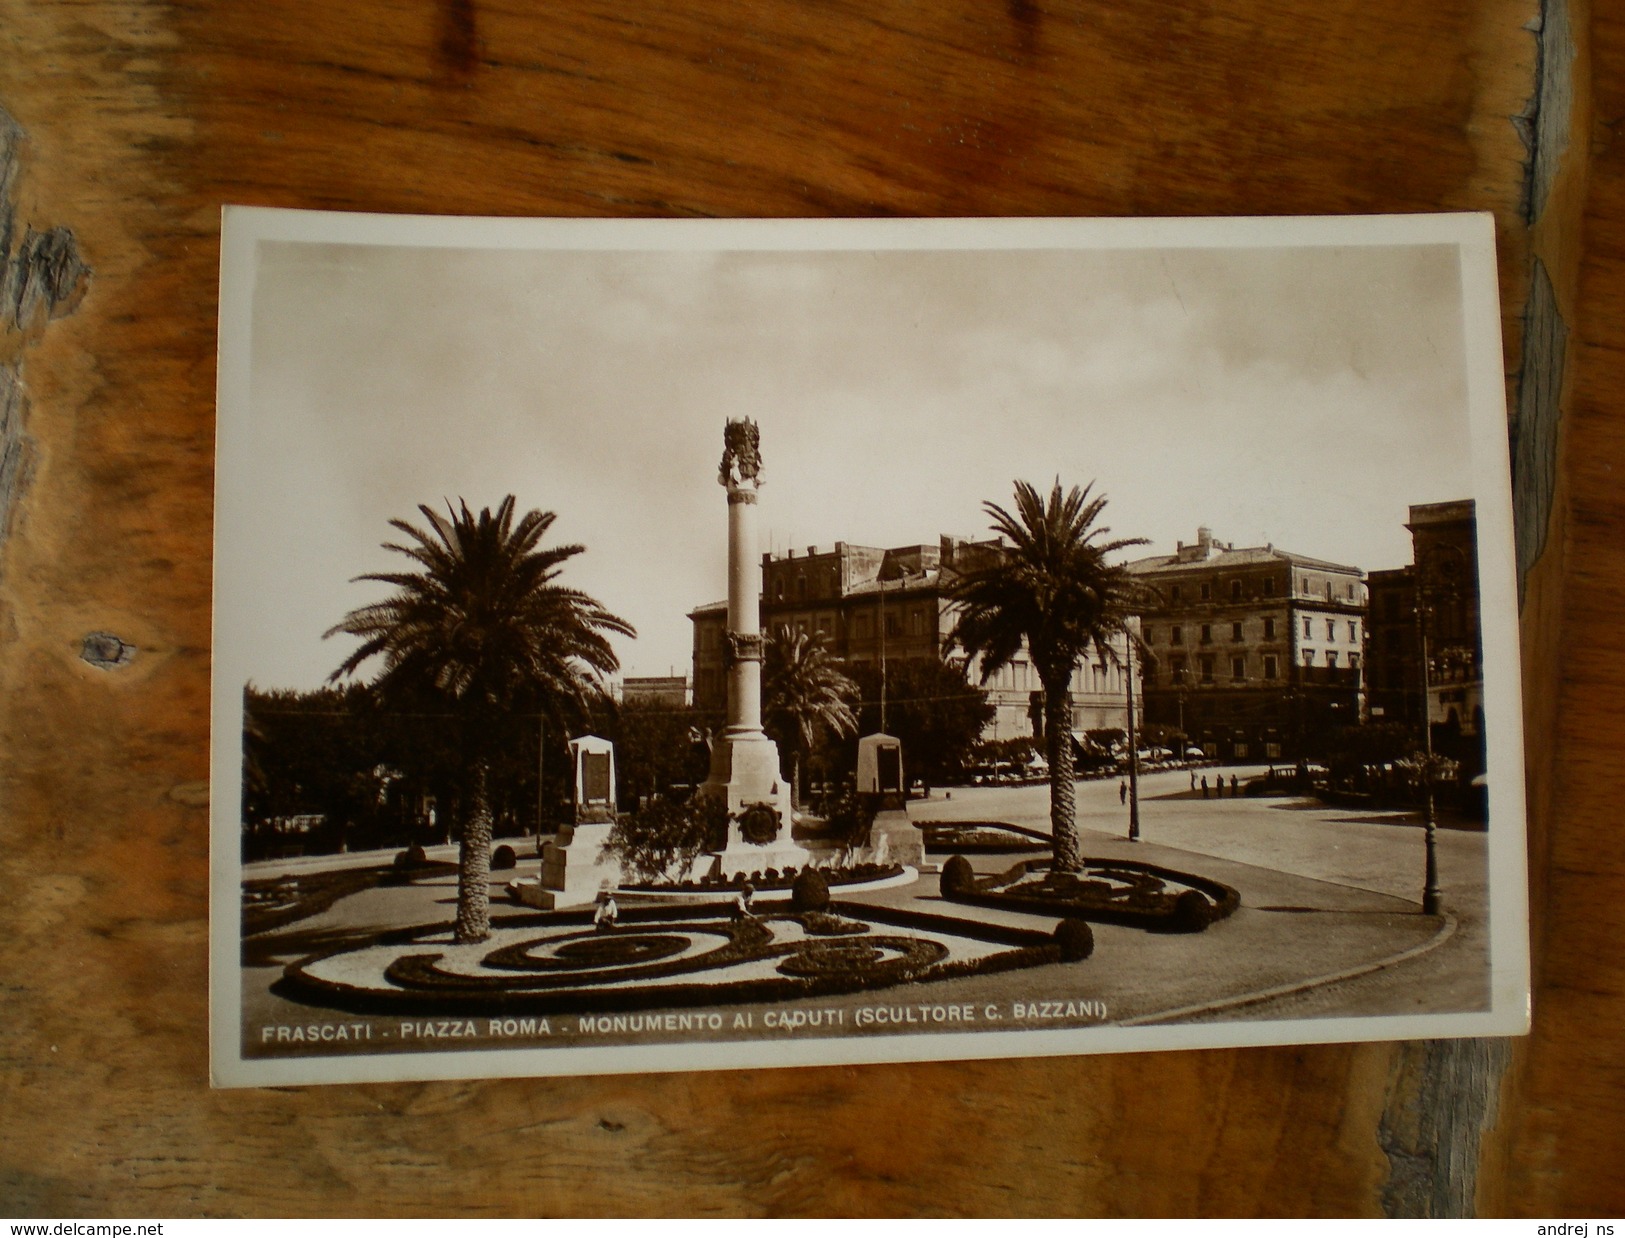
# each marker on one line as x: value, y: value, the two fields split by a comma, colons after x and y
x: 482, y: 630
x: 806, y: 695
x: 1053, y: 591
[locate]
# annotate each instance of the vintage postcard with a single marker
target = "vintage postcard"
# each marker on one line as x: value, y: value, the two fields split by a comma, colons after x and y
x: 672, y: 645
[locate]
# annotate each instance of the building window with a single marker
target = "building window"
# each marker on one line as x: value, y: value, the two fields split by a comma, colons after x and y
x: 1269, y: 586
x: 1269, y: 666
x: 1207, y: 633
x: 1351, y: 591
x: 1331, y: 629
x: 1354, y: 633
x: 1354, y: 661
x: 1308, y: 657
x: 1235, y: 590
x: 1207, y: 591
x: 894, y: 626
x: 801, y: 585
x: 1269, y: 629
x: 1238, y: 669
x: 778, y: 589
x: 1331, y: 658
x: 1173, y: 593
x: 1207, y: 668
x: 1176, y: 635
x: 916, y: 623
x: 1151, y: 636
x: 1308, y: 629
x: 1235, y: 631
x: 1178, y: 670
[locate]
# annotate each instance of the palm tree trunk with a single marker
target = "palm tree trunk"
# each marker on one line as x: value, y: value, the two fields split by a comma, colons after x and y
x: 474, y: 862
x: 1062, y: 792
x: 795, y: 780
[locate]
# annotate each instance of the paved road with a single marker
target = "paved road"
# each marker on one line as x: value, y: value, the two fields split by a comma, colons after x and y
x: 1362, y: 852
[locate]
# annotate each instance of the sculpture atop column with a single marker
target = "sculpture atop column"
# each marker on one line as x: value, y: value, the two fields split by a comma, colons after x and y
x: 744, y: 761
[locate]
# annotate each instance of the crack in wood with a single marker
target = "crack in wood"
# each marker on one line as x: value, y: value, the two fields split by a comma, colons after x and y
x: 44, y: 279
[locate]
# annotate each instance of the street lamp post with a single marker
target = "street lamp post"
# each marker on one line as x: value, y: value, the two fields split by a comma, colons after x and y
x: 1133, y: 744
x: 1432, y: 899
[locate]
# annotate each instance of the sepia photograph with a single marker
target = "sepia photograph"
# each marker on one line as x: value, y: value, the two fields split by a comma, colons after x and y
x: 679, y: 645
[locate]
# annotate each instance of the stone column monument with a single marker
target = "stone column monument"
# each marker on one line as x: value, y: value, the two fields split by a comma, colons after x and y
x: 744, y: 761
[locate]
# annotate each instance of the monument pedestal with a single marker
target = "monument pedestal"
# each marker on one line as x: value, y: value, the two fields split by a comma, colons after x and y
x: 745, y: 776
x: 575, y: 866
x: 572, y: 872
x: 894, y: 839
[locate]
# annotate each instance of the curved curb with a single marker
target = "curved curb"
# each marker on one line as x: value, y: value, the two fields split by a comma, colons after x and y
x: 1447, y: 930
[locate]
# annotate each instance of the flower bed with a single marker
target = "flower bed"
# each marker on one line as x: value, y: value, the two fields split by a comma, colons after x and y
x: 768, y: 879
x: 1106, y: 891
x: 557, y: 963
x: 980, y: 838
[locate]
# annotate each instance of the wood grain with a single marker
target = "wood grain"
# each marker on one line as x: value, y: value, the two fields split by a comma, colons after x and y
x: 140, y: 119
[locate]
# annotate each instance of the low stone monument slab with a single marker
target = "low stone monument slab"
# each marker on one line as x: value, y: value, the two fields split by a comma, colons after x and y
x: 575, y: 865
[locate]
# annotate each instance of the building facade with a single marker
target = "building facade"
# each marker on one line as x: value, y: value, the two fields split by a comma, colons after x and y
x: 668, y: 691
x: 872, y: 605
x: 1443, y: 575
x: 1255, y: 653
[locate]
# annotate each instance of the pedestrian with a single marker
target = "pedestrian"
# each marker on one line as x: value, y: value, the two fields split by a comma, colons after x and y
x: 1193, y: 780
x: 1232, y: 786
x: 1122, y: 792
x: 603, y: 920
x: 742, y: 909
x: 1204, y: 786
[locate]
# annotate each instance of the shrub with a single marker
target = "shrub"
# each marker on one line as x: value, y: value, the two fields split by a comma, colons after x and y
x: 669, y: 835
x: 1076, y: 940
x: 413, y: 857
x: 503, y: 857
x: 810, y: 891
x: 958, y: 877
x: 1192, y: 913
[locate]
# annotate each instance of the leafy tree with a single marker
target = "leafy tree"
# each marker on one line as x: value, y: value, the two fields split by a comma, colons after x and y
x: 938, y: 716
x: 653, y: 747
x: 805, y: 696
x: 483, y: 631
x: 1053, y: 592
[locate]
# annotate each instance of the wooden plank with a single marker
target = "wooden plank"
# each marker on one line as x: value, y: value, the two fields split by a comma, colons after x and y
x: 142, y: 118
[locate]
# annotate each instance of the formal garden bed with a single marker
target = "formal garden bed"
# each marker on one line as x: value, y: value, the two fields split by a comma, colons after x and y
x: 1125, y: 892
x: 981, y: 838
x: 770, y: 879
x: 557, y: 962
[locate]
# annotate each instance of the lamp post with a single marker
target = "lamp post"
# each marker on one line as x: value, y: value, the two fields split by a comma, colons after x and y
x: 1133, y: 745
x: 1431, y: 897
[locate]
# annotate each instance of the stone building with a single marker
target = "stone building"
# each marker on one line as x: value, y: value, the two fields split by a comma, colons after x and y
x: 1255, y: 653
x: 1444, y: 566
x: 670, y: 691
x: 868, y: 602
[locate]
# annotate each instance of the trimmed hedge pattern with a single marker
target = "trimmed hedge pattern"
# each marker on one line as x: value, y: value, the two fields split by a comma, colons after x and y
x: 1146, y: 903
x: 852, y: 961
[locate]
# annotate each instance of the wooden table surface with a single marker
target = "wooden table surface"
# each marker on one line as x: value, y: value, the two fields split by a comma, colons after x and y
x: 128, y: 124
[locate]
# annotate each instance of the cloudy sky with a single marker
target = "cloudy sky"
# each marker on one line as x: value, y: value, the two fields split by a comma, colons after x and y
x: 1300, y: 396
